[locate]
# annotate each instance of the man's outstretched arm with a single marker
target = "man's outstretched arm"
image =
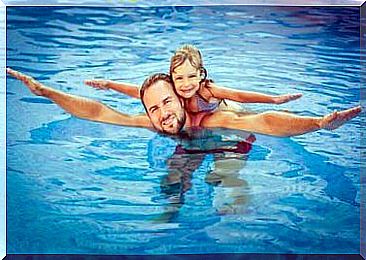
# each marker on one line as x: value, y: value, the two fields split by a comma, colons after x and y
x: 79, y: 106
x: 279, y: 123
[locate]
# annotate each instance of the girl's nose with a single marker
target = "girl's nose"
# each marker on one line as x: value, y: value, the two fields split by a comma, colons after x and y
x: 186, y: 82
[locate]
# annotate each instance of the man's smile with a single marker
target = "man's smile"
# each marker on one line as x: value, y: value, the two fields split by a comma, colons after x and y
x: 169, y: 120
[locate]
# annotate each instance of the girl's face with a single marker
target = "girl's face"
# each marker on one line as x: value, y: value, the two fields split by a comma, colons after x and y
x: 186, y: 79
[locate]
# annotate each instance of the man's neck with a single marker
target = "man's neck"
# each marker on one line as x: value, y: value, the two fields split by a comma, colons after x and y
x: 188, y: 122
x: 194, y: 120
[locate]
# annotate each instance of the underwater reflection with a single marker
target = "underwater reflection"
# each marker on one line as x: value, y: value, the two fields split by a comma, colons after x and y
x: 229, y: 192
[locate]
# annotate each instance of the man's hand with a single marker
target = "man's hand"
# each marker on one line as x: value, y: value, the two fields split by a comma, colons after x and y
x: 286, y: 98
x: 336, y: 119
x: 97, y: 83
x: 33, y: 85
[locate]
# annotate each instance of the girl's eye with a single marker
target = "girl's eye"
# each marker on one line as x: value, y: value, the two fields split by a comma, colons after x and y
x: 179, y: 78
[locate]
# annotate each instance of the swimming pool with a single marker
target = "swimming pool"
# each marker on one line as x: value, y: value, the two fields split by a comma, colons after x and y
x: 81, y: 187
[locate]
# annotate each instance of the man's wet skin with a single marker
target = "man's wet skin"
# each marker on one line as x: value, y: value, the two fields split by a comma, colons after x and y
x: 164, y: 108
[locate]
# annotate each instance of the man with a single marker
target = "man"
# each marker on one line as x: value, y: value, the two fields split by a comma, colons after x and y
x: 165, y: 112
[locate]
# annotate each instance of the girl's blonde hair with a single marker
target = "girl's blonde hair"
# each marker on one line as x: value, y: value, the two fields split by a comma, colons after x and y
x: 194, y: 56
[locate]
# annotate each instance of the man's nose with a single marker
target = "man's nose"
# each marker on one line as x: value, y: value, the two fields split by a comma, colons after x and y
x: 164, y: 112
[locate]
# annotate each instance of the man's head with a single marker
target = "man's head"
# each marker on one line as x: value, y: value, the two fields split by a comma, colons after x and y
x: 162, y: 105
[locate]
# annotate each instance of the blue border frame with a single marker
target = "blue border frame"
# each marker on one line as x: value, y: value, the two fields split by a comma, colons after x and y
x: 3, y: 131
x: 150, y: 3
x: 363, y: 126
x: 147, y: 3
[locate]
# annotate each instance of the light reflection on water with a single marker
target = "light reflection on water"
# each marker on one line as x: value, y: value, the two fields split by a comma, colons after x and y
x: 82, y: 187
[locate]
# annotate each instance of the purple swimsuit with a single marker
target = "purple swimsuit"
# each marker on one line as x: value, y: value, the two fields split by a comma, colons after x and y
x: 204, y: 106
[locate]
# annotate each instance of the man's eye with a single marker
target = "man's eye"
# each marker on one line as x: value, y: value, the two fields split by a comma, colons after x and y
x: 153, y: 110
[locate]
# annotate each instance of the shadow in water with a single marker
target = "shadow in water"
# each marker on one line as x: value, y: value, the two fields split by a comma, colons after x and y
x: 228, y: 191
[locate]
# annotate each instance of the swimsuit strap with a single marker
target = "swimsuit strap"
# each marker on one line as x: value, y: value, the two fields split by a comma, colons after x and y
x: 205, y: 85
x: 206, y: 82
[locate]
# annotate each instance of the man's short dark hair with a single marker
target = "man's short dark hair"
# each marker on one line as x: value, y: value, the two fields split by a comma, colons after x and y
x: 152, y: 80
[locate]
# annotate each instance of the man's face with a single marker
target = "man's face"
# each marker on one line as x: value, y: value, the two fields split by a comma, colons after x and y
x: 164, y: 108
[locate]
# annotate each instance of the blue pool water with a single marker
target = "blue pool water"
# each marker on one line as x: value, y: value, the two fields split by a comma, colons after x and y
x: 82, y: 187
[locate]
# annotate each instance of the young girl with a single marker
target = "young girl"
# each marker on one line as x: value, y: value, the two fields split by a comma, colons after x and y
x: 190, y: 81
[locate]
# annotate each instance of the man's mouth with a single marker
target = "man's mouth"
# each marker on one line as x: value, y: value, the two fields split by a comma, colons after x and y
x: 168, y: 121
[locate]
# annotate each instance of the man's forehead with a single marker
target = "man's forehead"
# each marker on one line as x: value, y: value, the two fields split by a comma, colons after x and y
x: 160, y: 86
x: 157, y: 92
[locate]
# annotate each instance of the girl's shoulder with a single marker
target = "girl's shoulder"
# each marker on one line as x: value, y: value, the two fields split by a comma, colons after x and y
x: 206, y: 91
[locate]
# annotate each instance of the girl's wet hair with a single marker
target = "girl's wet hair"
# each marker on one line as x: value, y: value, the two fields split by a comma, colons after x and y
x: 194, y: 56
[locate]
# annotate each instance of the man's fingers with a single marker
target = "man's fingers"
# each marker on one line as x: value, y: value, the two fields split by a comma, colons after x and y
x: 336, y: 119
x: 15, y: 73
x: 355, y: 110
x: 350, y: 113
x: 12, y: 72
x: 9, y: 71
x: 18, y: 75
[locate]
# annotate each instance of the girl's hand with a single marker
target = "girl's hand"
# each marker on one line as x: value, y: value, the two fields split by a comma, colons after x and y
x: 286, y: 98
x: 98, y: 83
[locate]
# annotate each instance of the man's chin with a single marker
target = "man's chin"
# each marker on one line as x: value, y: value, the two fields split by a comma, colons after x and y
x: 174, y: 128
x: 171, y: 131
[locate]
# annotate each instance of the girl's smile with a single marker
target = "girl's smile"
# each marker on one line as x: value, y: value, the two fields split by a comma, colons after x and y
x: 186, y: 79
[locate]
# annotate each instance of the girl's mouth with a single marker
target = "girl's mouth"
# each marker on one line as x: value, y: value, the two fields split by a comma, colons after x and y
x: 186, y: 91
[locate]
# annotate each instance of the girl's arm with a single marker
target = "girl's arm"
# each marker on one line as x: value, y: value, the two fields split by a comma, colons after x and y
x: 125, y: 88
x: 249, y: 96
